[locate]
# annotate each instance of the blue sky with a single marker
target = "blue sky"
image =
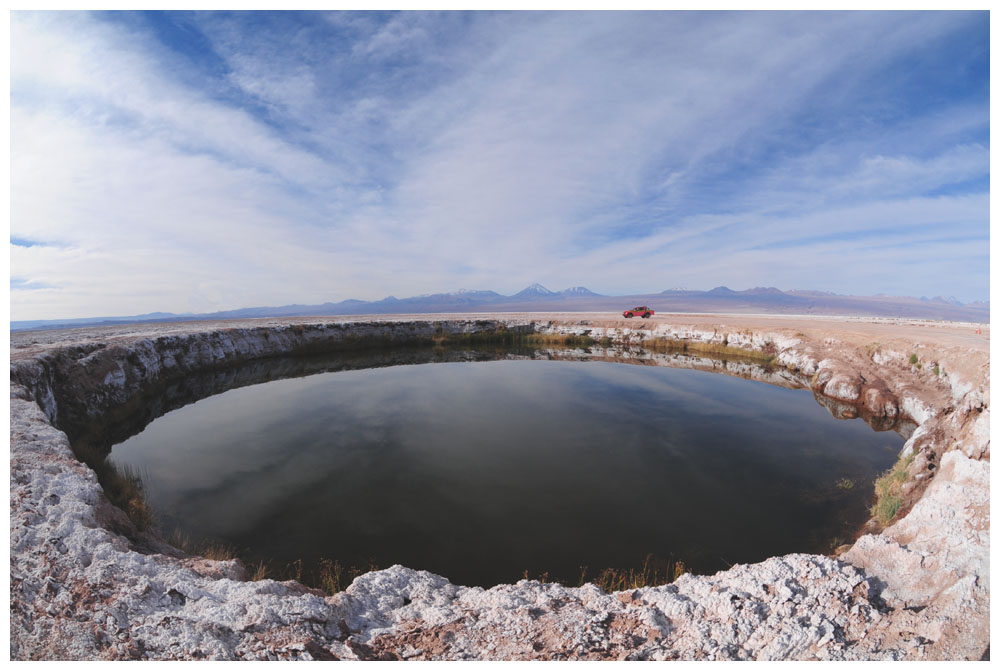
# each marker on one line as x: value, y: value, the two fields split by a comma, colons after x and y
x: 204, y: 161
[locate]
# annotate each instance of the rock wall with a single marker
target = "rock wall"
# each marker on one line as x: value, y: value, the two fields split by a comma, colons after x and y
x: 87, y: 585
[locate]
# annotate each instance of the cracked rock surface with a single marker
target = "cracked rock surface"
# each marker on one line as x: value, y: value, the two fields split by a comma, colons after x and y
x: 85, y: 584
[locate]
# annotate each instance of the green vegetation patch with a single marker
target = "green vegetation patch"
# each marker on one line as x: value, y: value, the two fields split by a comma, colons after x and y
x: 889, y: 490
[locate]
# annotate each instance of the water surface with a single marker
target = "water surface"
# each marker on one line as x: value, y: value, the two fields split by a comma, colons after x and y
x: 482, y: 471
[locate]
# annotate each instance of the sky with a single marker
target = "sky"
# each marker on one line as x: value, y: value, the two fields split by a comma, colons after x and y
x: 201, y: 161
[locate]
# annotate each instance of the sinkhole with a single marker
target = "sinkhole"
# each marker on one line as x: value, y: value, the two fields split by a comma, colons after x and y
x: 487, y: 467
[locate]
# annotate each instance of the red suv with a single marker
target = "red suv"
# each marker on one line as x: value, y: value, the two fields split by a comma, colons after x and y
x: 641, y: 311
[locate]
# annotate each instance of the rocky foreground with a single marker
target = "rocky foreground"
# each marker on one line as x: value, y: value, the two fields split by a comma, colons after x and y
x: 85, y: 584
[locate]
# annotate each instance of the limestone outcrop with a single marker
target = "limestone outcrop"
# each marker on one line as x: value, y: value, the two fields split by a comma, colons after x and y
x: 86, y: 584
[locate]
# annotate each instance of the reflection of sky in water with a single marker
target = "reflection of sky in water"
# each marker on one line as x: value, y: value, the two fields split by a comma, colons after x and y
x: 481, y: 470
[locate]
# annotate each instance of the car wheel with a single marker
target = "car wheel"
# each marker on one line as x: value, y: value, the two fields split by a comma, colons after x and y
x: 646, y: 316
x: 628, y: 316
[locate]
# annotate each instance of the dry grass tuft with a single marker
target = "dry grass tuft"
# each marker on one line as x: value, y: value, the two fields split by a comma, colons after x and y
x: 260, y: 571
x: 217, y: 551
x: 652, y: 573
x: 327, y: 575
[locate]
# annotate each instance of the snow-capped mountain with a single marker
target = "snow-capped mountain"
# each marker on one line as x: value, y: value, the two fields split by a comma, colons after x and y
x: 534, y: 292
x: 577, y: 291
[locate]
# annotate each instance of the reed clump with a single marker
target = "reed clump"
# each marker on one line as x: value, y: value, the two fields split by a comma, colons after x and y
x: 889, y: 490
x: 121, y: 484
x: 511, y: 338
x: 766, y: 354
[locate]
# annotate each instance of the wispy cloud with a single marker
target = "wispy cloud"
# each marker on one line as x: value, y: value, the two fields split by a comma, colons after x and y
x: 200, y: 161
x: 25, y: 242
x: 21, y: 284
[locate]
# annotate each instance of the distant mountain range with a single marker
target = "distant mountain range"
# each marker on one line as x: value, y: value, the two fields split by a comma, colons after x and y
x: 537, y: 298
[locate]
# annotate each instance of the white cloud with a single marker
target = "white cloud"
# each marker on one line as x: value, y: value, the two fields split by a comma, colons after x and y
x: 484, y: 151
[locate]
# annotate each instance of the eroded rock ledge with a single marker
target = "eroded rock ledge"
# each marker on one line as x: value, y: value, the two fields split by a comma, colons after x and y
x: 81, y: 589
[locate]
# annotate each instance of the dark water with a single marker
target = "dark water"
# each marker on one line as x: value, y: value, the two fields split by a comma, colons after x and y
x: 482, y: 471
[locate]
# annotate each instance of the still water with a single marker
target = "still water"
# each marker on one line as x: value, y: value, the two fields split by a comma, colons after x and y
x: 480, y: 471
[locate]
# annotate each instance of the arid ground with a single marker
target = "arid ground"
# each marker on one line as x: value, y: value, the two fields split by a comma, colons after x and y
x: 87, y: 584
